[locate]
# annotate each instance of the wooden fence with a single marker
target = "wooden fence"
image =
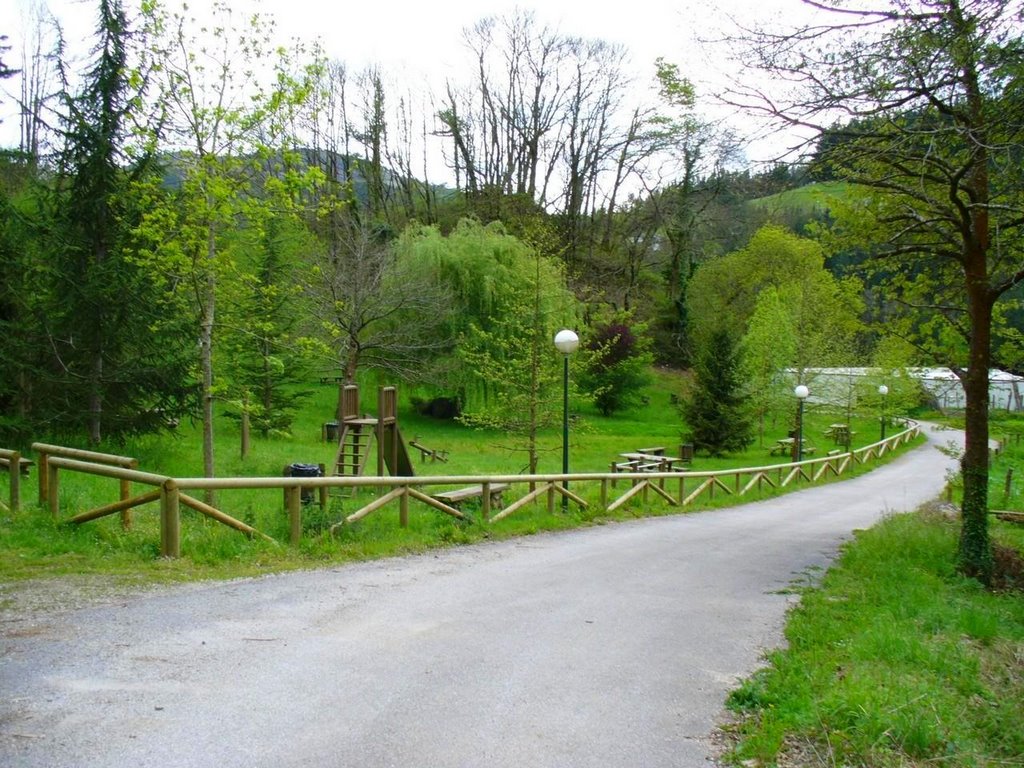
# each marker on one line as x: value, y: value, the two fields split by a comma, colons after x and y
x: 677, y: 488
x: 13, y: 462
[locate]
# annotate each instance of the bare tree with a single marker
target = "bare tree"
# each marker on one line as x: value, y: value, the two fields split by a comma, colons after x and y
x: 38, y: 82
x: 373, y: 308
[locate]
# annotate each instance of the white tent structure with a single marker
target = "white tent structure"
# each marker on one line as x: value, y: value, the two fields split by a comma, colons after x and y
x: 1005, y: 391
x: 833, y: 385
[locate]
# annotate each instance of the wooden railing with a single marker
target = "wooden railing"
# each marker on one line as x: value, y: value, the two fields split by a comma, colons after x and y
x: 12, y: 460
x: 688, y: 487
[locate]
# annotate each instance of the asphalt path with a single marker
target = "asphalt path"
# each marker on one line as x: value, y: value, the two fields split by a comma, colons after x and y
x: 609, y: 646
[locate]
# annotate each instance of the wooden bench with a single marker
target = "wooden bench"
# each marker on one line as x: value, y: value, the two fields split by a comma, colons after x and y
x: 625, y: 466
x: 23, y: 464
x: 458, y: 496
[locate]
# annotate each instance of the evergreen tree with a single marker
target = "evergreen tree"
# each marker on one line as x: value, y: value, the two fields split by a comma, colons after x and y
x: 116, y: 361
x: 715, y: 408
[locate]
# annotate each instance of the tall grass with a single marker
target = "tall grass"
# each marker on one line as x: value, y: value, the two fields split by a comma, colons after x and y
x: 893, y: 661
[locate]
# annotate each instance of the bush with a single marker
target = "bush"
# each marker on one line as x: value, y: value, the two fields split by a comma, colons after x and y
x: 617, y: 366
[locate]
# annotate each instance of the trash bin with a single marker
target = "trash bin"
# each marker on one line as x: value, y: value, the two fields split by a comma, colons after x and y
x: 686, y: 453
x: 305, y: 470
x: 331, y: 431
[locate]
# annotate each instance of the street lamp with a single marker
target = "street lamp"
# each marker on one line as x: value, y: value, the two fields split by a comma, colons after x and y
x: 566, y: 342
x: 801, y: 393
x: 883, y: 391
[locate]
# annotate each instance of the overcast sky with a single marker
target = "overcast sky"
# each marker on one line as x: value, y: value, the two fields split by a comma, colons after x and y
x: 421, y: 39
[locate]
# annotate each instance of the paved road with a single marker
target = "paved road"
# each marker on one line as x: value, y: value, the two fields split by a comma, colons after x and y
x: 612, y: 646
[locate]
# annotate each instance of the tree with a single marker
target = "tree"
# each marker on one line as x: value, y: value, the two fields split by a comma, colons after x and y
x: 116, y: 368
x: 698, y: 149
x: 715, y: 408
x: 5, y: 71
x: 507, y: 300
x: 617, y: 363
x: 377, y: 305
x: 932, y: 95
x: 263, y: 350
x: 41, y: 52
x: 223, y: 121
x: 823, y: 312
x: 767, y: 349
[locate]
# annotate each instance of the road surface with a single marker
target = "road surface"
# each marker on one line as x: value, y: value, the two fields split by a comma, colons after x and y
x: 610, y: 646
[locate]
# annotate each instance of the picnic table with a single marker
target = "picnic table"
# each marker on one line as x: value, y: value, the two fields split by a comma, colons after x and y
x: 784, y: 447
x: 650, y: 462
x: 840, y: 433
x: 458, y: 496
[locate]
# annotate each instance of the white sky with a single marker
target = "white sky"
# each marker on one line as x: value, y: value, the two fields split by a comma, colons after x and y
x: 421, y: 39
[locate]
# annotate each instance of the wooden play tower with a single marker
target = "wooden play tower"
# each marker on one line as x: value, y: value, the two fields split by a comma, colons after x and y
x: 358, y: 435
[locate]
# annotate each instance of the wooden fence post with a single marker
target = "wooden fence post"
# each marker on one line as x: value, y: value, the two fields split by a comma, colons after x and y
x: 322, y: 490
x: 52, y: 489
x: 170, y: 520
x: 485, y: 501
x: 44, y: 478
x: 293, y: 499
x: 15, y: 475
x: 1006, y: 488
x: 126, y: 493
x: 403, y: 508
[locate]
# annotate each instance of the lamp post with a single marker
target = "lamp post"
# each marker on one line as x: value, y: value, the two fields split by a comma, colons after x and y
x: 883, y: 391
x: 801, y: 393
x: 566, y: 342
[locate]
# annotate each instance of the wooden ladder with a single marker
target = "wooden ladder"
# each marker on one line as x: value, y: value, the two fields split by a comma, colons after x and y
x: 354, y: 444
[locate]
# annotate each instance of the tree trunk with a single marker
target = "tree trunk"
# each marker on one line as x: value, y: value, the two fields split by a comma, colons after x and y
x: 206, y: 363
x: 975, y: 553
x: 96, y: 398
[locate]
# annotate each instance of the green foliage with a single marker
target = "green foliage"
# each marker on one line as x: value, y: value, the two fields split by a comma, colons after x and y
x: 617, y: 364
x: 766, y: 351
x: 933, y: 136
x: 823, y: 311
x: 892, y: 661
x: 263, y: 357
x: 716, y: 409
x: 90, y: 345
x: 502, y: 293
x: 5, y: 70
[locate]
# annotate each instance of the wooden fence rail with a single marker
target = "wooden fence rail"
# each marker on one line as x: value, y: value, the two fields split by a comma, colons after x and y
x: 45, y: 451
x: 691, y: 487
x: 12, y: 460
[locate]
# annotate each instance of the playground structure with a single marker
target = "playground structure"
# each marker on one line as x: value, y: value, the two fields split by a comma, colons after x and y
x: 358, y: 434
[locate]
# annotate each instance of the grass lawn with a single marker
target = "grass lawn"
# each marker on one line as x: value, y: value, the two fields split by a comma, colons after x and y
x: 893, y: 661
x: 31, y: 544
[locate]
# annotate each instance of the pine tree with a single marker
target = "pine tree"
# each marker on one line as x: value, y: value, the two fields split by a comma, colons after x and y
x: 715, y: 409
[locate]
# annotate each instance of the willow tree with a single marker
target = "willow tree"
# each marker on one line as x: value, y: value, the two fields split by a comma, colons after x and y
x: 508, y: 298
x: 929, y: 97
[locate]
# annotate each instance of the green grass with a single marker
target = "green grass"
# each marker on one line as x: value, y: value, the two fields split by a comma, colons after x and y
x: 809, y: 197
x: 893, y: 661
x: 33, y: 545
